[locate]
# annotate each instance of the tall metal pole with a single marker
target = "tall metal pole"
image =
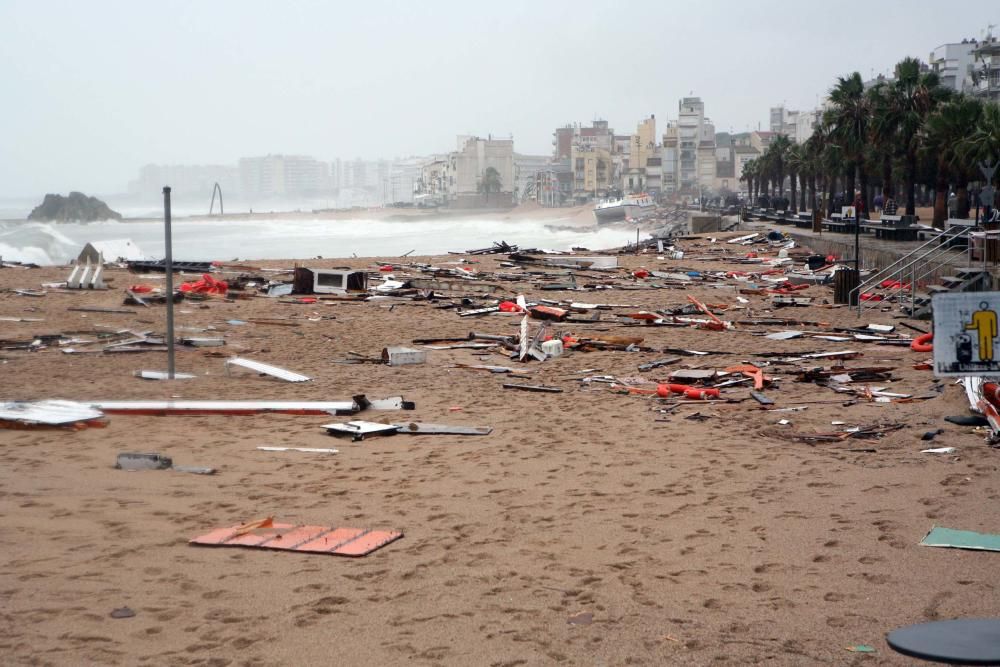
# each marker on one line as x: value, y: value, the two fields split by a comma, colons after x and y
x: 168, y: 266
x: 857, y: 242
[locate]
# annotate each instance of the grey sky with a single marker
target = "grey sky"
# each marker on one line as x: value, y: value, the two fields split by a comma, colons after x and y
x: 93, y: 90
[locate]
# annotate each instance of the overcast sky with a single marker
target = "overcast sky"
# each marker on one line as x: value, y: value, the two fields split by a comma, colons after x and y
x: 94, y: 89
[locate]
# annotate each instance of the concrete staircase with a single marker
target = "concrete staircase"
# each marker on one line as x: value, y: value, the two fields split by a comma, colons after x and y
x: 971, y: 279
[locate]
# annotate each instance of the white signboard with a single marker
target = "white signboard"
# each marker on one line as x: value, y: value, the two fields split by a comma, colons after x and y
x: 966, y: 331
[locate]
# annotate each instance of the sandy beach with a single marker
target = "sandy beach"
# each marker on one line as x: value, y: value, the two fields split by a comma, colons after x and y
x: 589, y: 528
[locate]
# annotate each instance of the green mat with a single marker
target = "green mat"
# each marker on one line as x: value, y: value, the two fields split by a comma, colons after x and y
x: 961, y: 539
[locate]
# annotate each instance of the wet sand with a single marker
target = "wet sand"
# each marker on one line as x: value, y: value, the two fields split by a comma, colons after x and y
x: 691, y: 542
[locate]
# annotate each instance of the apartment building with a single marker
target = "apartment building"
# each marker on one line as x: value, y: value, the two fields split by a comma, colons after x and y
x: 986, y: 69
x: 283, y: 175
x: 953, y: 64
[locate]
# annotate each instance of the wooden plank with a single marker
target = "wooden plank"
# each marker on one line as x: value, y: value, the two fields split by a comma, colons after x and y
x: 534, y: 387
x: 420, y: 428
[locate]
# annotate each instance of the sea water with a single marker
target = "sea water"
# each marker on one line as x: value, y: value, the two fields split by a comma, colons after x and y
x: 273, y: 238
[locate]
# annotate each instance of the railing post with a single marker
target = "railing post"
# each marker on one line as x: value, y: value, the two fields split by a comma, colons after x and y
x: 169, y: 269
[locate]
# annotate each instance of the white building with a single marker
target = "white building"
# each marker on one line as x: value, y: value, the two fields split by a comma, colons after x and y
x: 283, y: 175
x: 953, y: 64
x: 690, y: 120
x: 185, y: 180
x: 987, y: 69
x: 474, y: 156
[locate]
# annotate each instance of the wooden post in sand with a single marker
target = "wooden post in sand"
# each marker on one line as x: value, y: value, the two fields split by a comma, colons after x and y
x: 168, y: 266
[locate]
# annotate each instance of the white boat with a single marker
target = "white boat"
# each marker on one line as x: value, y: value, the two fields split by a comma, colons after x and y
x: 629, y: 207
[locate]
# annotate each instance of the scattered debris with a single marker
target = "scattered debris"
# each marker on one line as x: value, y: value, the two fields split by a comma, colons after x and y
x: 421, y: 428
x: 403, y: 356
x: 53, y: 413
x: 861, y: 648
x: 266, y: 369
x: 307, y: 450
x: 181, y: 407
x: 534, y: 387
x: 961, y: 539
x: 129, y: 461
x: 162, y: 375
x: 266, y: 534
x: 358, y: 430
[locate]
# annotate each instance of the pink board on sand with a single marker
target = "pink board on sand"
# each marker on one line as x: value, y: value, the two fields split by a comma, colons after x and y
x: 266, y: 534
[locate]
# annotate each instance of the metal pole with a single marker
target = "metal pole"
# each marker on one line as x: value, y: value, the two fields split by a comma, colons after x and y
x: 857, y: 241
x: 168, y: 266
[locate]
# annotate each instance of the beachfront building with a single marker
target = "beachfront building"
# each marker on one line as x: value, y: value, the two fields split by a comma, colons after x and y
x: 687, y: 160
x: 399, y: 186
x: 986, y: 69
x: 554, y: 184
x: 562, y: 142
x: 596, y: 160
x: 783, y: 120
x: 742, y: 153
x: 641, y: 149
x: 468, y: 165
x: 953, y: 64
x: 695, y: 148
x: 796, y: 125
x: 525, y: 169
x: 725, y: 168
x: 283, y: 175
x: 593, y: 172
x: 431, y: 187
x: 185, y: 180
x: 668, y: 161
x: 706, y: 157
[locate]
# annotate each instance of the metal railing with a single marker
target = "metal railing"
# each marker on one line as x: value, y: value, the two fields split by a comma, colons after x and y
x: 914, y: 266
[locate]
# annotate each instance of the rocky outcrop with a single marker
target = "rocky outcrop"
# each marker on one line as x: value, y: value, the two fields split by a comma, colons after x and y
x: 76, y: 207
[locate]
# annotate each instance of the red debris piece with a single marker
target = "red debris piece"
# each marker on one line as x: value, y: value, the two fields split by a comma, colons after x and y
x: 207, y: 285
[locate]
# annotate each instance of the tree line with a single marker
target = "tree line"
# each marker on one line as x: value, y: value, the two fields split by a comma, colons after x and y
x: 890, y: 138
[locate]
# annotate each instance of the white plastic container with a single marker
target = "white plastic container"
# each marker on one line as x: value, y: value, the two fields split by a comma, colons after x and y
x: 552, y: 348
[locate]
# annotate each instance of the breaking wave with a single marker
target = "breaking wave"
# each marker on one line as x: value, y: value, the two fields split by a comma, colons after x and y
x: 208, y: 239
x: 36, y: 242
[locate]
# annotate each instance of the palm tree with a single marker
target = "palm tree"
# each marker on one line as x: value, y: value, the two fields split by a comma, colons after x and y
x: 982, y: 143
x: 884, y: 132
x: 795, y: 160
x: 490, y: 182
x: 748, y: 176
x: 850, y: 117
x: 778, y: 152
x: 765, y: 169
x: 814, y: 154
x: 829, y: 161
x: 914, y: 94
x: 943, y: 135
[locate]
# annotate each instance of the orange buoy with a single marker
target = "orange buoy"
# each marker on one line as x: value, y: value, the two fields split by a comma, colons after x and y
x: 991, y: 392
x: 701, y: 394
x: 924, y: 343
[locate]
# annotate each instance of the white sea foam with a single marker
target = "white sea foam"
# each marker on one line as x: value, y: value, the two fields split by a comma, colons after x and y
x: 208, y: 239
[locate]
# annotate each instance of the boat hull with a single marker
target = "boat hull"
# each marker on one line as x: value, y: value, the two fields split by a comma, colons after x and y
x: 610, y: 214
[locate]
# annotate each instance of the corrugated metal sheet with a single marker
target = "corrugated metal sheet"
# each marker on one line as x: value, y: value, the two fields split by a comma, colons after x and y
x: 52, y: 412
x: 267, y: 369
